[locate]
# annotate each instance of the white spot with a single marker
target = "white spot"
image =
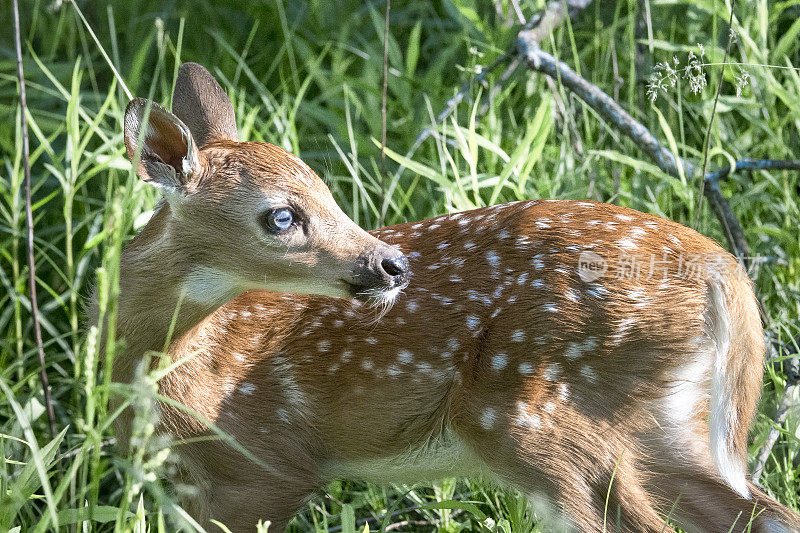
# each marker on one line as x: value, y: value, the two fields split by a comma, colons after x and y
x: 371, y: 340
x: 488, y: 418
x: 412, y: 306
x: 247, y: 388
x: 537, y: 284
x: 597, y: 291
x: 543, y: 223
x: 549, y: 407
x: 367, y: 364
x: 417, y: 226
x: 444, y: 300
x: 469, y: 246
x: 563, y: 391
x: 493, y: 258
x: 522, y: 278
x: 503, y: 234
x: 324, y: 345
x: 442, y: 245
x: 589, y: 373
x: 552, y: 372
x: 394, y: 370
x: 551, y: 308
x: 518, y: 336
x: 623, y: 326
x: 525, y: 419
x: 453, y: 344
x: 526, y: 369
x: 499, y: 361
x: 405, y: 356
x: 434, y: 226
x: 571, y: 295
x: 585, y: 204
x: 283, y: 414
x: 576, y: 350
x: 627, y: 243
x: 626, y: 218
x: 637, y: 233
x: 473, y: 322
x: 338, y: 323
x: 346, y: 356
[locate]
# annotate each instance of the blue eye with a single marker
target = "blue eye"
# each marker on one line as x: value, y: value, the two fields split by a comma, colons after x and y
x: 280, y: 219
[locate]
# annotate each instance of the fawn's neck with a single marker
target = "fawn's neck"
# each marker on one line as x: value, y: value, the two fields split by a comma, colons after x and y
x: 163, y: 295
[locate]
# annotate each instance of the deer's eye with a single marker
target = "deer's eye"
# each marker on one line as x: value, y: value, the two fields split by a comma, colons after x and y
x: 279, y: 220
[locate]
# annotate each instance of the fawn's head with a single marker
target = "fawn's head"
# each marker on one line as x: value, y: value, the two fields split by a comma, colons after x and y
x: 250, y: 215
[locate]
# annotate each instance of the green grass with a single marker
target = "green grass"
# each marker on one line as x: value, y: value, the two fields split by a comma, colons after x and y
x: 307, y: 76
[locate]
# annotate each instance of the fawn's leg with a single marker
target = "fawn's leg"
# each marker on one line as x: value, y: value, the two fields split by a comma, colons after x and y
x: 240, y: 507
x: 587, y: 466
x: 706, y: 504
x: 239, y: 503
x: 237, y: 491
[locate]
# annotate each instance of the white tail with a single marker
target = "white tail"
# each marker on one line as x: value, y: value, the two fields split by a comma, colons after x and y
x: 552, y: 345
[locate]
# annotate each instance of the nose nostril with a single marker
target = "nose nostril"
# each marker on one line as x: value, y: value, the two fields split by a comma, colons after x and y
x: 395, y: 266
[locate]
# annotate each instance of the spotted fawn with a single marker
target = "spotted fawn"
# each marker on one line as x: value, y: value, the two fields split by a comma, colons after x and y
x: 603, y: 361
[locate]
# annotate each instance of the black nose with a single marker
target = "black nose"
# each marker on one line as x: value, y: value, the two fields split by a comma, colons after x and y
x: 395, y: 266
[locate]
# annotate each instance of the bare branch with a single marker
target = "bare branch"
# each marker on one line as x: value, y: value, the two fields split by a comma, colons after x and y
x: 538, y: 60
x: 29, y: 221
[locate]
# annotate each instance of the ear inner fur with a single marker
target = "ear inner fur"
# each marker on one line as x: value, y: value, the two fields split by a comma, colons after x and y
x: 167, y: 154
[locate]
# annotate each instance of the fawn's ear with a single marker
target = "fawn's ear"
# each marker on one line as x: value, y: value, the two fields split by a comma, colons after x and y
x: 200, y: 102
x: 168, y: 156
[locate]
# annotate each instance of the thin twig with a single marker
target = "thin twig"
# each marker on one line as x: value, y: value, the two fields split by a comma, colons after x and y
x: 786, y: 403
x: 711, y: 119
x: 383, y: 113
x: 753, y: 164
x: 498, y: 86
x: 453, y: 102
x: 51, y: 416
x: 541, y: 24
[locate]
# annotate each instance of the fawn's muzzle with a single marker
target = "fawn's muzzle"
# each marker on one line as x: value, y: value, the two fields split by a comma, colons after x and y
x: 383, y: 269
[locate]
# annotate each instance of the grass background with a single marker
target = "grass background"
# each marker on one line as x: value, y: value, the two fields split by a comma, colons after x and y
x: 306, y: 75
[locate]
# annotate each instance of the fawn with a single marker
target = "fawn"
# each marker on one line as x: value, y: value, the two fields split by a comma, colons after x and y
x: 491, y: 342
